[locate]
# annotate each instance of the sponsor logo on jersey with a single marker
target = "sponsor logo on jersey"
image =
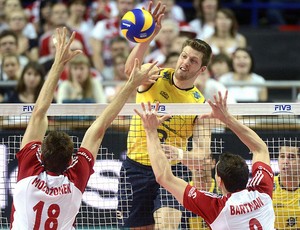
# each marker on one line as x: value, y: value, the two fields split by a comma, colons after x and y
x: 192, y: 193
x: 291, y: 222
x: 85, y: 155
x: 164, y: 94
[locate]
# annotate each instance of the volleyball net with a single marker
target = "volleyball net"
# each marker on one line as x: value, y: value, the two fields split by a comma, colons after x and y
x: 278, y: 124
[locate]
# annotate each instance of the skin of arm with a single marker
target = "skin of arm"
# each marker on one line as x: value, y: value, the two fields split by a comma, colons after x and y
x: 94, y: 135
x: 256, y: 145
x: 161, y: 167
x: 38, y: 122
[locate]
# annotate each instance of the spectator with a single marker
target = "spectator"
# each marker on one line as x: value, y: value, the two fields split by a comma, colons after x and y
x: 118, y: 46
x: 171, y: 60
x: 177, y: 43
x: 59, y: 17
x: 9, y: 45
x: 226, y: 38
x: 102, y: 34
x: 13, y: 5
x: 164, y: 39
x: 286, y: 193
x: 173, y: 11
x: 210, y: 87
x: 220, y: 64
x: 80, y: 87
x: 120, y: 78
x: 77, y: 21
x: 242, y: 72
x: 204, y: 23
x: 11, y: 68
x: 29, y: 84
x: 42, y: 21
x: 103, y: 9
x: 27, y: 46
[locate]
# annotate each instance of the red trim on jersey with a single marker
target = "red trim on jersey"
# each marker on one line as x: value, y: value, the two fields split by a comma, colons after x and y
x: 209, y: 205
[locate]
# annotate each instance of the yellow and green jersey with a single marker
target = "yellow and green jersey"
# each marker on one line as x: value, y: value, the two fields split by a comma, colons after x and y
x: 174, y: 131
x: 286, y: 206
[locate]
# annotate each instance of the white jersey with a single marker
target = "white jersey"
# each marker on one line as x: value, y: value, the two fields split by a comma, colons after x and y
x: 43, y: 200
x: 250, y: 208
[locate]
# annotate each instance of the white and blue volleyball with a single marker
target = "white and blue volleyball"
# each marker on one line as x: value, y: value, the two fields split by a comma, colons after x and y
x: 137, y: 25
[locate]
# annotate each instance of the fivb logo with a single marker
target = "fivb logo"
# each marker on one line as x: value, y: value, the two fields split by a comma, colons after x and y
x: 283, y: 108
x: 161, y: 108
x: 27, y: 109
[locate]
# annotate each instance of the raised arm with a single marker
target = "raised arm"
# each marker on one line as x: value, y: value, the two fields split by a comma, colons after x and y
x: 94, y: 135
x: 256, y: 145
x: 38, y: 122
x: 158, y: 159
x: 140, y: 49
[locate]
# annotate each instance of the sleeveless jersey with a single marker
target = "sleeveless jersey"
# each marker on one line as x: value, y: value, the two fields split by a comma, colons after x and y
x: 286, y: 206
x: 45, y: 201
x: 174, y: 131
x: 250, y: 208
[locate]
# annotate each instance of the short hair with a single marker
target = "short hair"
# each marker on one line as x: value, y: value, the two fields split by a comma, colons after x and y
x: 170, y: 55
x: 234, y: 171
x: 6, y: 33
x: 290, y: 143
x: 57, y: 150
x: 200, y: 46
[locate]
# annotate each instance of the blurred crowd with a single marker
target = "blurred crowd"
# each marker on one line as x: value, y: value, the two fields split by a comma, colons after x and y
x: 27, y: 50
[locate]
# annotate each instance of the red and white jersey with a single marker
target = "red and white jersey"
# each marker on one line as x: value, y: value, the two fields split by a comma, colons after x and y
x: 43, y: 200
x: 250, y: 208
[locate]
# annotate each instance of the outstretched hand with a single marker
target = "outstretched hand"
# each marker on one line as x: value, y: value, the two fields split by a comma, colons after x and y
x: 219, y: 108
x: 157, y: 14
x: 151, y: 119
x: 63, y: 52
x: 143, y: 76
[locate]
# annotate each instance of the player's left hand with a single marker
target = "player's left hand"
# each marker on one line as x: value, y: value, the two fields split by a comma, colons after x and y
x: 151, y: 119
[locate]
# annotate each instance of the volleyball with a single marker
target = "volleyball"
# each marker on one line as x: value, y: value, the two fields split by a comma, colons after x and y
x: 137, y: 25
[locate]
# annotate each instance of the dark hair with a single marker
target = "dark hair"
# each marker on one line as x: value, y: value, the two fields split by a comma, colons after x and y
x: 230, y: 14
x: 290, y: 143
x: 170, y: 55
x: 200, y: 11
x: 221, y: 57
x: 6, y: 33
x: 57, y: 150
x: 21, y: 87
x: 248, y: 51
x: 200, y: 46
x: 234, y: 172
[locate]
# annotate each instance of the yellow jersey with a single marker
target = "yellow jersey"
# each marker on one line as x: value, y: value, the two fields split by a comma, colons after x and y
x: 174, y: 131
x: 286, y: 206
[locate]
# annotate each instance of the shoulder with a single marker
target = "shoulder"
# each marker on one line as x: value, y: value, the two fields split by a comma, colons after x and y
x: 257, y: 78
